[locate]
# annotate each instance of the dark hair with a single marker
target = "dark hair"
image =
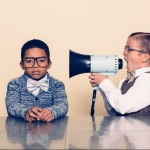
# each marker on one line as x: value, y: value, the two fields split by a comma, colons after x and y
x: 139, y: 33
x: 35, y: 43
x: 143, y: 38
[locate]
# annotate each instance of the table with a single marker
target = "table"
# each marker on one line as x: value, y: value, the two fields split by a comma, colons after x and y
x: 74, y: 132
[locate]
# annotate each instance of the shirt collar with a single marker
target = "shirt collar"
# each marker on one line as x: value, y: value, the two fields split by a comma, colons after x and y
x: 140, y: 71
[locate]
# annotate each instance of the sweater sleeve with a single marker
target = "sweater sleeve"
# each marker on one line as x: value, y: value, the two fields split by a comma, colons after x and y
x: 13, y: 101
x: 60, y: 103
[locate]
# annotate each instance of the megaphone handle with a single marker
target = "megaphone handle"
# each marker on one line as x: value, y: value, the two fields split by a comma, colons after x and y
x: 93, y: 101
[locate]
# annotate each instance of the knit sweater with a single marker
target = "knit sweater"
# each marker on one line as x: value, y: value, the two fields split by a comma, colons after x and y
x: 19, y: 99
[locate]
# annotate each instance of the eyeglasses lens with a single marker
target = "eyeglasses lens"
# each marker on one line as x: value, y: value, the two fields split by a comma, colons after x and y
x: 30, y: 62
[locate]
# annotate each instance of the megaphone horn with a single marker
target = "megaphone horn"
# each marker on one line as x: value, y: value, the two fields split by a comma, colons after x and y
x: 79, y: 63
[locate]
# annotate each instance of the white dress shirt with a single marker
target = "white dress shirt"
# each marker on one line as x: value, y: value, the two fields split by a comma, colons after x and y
x: 136, y: 98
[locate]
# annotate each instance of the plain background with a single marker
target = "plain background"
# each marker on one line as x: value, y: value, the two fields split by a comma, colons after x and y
x: 91, y: 27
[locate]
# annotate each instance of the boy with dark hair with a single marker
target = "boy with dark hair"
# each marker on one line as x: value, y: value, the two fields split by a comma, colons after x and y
x: 36, y: 95
x: 132, y: 98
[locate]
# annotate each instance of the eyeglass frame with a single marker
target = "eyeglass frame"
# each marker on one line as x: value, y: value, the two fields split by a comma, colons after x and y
x: 128, y: 49
x: 35, y: 59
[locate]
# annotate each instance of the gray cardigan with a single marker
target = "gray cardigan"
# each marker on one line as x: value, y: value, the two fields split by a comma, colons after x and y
x: 19, y: 99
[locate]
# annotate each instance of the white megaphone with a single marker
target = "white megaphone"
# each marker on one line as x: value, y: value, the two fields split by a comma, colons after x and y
x: 104, y: 64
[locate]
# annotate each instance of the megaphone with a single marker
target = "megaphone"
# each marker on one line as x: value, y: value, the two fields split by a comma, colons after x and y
x: 104, y: 64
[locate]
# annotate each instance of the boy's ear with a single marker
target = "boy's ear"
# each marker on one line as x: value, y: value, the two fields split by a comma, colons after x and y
x: 21, y: 66
x: 146, y: 58
x: 50, y: 63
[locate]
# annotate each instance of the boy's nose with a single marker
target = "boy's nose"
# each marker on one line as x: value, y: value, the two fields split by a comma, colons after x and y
x: 35, y: 64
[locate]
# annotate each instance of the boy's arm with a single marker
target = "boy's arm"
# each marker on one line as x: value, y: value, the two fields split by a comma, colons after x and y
x: 60, y: 103
x: 13, y: 101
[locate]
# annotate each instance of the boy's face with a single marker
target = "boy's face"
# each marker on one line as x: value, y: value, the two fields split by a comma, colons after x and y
x: 134, y: 58
x: 35, y: 63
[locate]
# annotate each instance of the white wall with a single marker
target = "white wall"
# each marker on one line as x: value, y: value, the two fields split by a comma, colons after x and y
x: 98, y: 27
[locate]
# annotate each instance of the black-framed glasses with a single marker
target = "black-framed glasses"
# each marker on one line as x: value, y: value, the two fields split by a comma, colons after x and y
x: 29, y: 62
x: 129, y: 49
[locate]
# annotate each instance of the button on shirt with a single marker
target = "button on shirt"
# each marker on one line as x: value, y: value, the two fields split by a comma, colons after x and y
x: 136, y: 98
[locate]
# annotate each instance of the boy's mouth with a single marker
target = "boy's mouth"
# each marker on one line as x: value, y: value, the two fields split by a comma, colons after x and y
x: 35, y: 72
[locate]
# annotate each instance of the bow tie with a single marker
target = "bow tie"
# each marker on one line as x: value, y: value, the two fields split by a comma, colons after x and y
x: 35, y: 86
x: 130, y: 76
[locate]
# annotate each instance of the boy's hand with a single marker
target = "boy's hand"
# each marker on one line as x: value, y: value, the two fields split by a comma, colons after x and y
x: 45, y: 115
x: 33, y: 113
x: 96, y: 78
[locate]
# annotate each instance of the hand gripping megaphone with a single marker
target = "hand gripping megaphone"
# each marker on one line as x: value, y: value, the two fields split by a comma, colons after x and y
x: 104, y: 64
